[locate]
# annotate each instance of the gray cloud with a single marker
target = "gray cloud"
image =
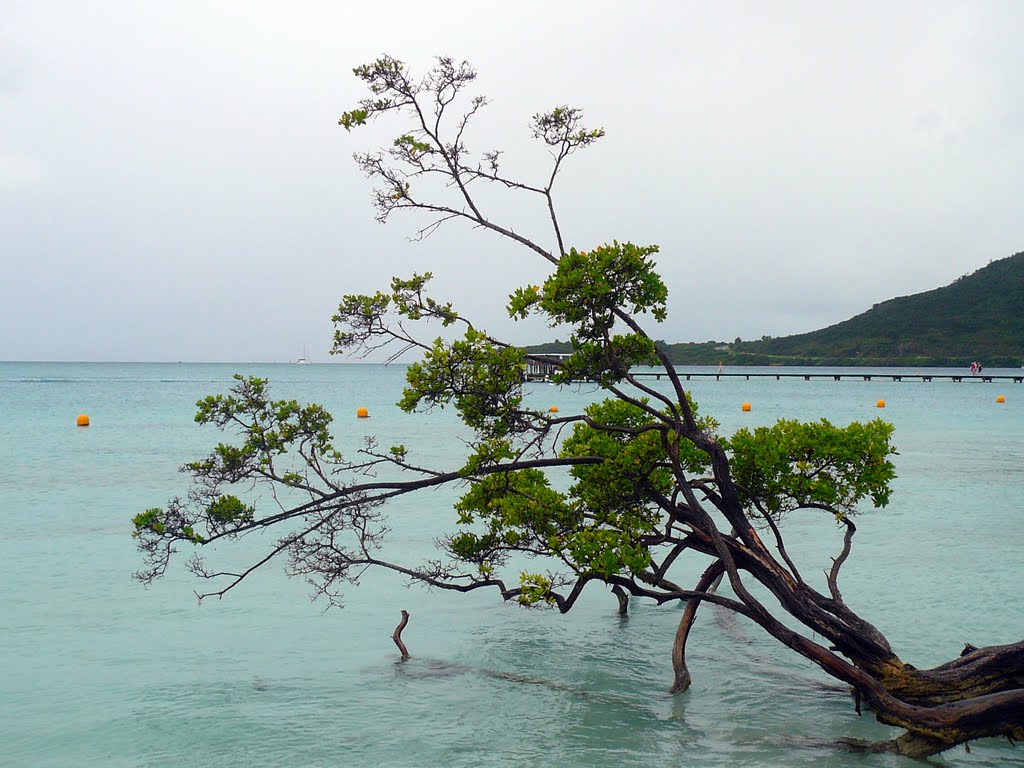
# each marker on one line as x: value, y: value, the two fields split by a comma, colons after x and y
x: 173, y: 184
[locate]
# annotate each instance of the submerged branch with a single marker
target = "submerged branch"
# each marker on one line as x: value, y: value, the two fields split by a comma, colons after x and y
x: 397, y: 635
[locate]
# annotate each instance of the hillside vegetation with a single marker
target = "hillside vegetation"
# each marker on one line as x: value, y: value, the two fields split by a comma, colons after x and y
x: 977, y: 317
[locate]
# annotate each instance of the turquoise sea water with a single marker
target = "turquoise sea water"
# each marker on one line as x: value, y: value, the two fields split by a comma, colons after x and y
x: 96, y: 670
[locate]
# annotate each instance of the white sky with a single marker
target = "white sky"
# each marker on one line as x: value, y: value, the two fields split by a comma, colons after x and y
x: 174, y: 184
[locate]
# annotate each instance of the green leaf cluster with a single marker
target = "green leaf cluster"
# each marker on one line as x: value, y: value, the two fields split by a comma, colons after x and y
x: 150, y: 520
x: 635, y: 458
x: 229, y: 511
x: 518, y: 511
x: 270, y: 428
x: 386, y: 75
x: 792, y: 464
x: 482, y: 379
x: 599, y: 528
x: 634, y: 461
x: 361, y: 319
x: 562, y: 128
x: 274, y: 434
x: 536, y: 588
x: 410, y: 300
x: 589, y: 291
x: 412, y: 145
x: 589, y: 288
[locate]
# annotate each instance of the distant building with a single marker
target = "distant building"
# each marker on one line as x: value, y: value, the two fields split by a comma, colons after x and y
x: 543, y: 367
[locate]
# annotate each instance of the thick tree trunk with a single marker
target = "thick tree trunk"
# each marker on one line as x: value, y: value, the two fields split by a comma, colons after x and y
x: 977, y: 695
x: 983, y: 671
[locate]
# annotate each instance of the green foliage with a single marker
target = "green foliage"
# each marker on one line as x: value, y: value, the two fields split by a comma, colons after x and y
x: 273, y: 434
x: 601, y: 527
x: 411, y: 302
x: 791, y: 464
x: 150, y: 520
x: 561, y: 128
x: 292, y: 479
x: 227, y: 511
x: 589, y: 291
x: 361, y: 316
x: 518, y: 510
x: 386, y: 75
x: 270, y: 427
x: 411, y: 145
x: 615, y: 494
x: 536, y: 588
x: 349, y: 120
x: 361, y: 322
x: 606, y: 362
x: 481, y: 378
x: 487, y: 453
x: 157, y: 523
x: 606, y: 552
x: 634, y: 460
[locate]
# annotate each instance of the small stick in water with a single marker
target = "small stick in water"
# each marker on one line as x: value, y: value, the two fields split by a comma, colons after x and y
x: 397, y: 635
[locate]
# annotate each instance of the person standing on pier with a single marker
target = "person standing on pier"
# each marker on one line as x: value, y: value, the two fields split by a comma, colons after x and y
x: 721, y: 368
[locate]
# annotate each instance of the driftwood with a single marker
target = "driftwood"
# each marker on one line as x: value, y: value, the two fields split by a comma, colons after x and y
x: 397, y: 635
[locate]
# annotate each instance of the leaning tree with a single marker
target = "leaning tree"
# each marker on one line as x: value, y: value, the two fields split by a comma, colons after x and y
x: 615, y: 495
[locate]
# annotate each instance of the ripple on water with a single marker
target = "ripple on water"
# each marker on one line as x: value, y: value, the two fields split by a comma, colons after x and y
x: 98, y: 671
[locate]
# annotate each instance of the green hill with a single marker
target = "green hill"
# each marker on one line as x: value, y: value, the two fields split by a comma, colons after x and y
x: 977, y: 317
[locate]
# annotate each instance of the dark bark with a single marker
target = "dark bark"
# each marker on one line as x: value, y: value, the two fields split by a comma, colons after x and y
x: 682, y: 678
x: 397, y: 635
x: 623, y: 597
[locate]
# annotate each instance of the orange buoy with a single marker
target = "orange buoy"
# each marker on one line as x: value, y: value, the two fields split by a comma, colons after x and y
x: 745, y: 407
x: 362, y: 413
x: 553, y: 409
x: 1000, y: 399
x: 880, y: 404
x: 83, y: 420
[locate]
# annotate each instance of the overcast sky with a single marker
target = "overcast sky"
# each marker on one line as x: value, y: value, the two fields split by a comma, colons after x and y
x: 174, y: 184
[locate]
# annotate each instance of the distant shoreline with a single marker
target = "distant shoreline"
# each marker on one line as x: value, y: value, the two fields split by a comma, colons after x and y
x: 699, y: 354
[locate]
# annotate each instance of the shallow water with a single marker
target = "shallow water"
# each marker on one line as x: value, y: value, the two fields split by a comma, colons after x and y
x: 99, y: 671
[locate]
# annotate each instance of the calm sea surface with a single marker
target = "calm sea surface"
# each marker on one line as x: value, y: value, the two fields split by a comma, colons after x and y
x: 95, y: 670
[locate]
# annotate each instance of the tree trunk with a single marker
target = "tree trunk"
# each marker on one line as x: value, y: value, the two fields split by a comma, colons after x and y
x: 977, y: 695
x: 623, y: 597
x: 682, y: 678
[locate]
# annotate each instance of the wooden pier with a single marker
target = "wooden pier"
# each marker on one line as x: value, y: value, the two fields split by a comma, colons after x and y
x: 541, y: 368
x: 537, y: 376
x: 839, y: 376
